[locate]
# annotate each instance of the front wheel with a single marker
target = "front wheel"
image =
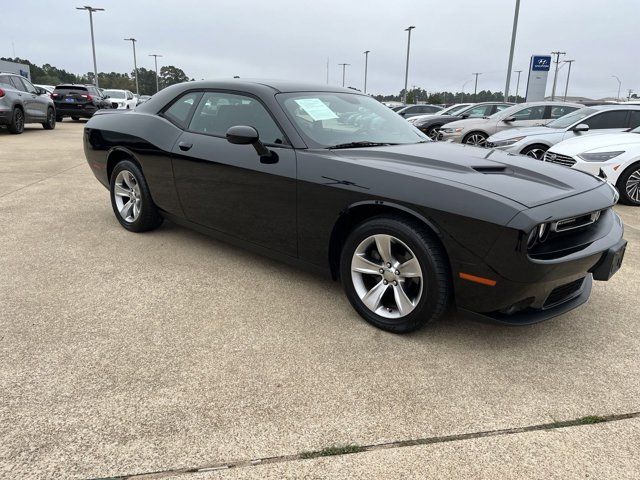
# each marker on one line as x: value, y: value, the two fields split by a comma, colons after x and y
x: 535, y: 151
x: 131, y: 200
x: 395, y: 273
x: 629, y: 186
x: 432, y: 132
x: 50, y: 124
x: 478, y: 139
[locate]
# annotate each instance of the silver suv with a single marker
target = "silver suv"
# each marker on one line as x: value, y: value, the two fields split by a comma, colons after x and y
x: 21, y: 102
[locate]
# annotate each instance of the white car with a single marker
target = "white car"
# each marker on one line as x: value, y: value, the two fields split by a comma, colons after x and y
x: 121, y: 99
x: 49, y: 88
x: 535, y: 141
x: 452, y: 110
x: 615, y: 156
x: 475, y: 131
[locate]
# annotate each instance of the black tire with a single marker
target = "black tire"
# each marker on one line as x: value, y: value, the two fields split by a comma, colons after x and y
x: 50, y: 124
x: 535, y: 151
x: 17, y: 121
x: 59, y: 118
x: 436, y: 287
x: 75, y: 119
x: 478, y: 139
x: 149, y: 217
x: 432, y: 132
x: 621, y: 185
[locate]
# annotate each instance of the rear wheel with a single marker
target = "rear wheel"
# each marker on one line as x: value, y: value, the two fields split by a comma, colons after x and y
x: 478, y: 139
x: 75, y: 118
x: 395, y: 273
x: 535, y: 151
x: 629, y: 185
x: 50, y: 124
x: 17, y: 121
x: 131, y: 200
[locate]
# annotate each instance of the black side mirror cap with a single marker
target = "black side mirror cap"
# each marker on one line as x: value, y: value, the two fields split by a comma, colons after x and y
x: 246, y: 135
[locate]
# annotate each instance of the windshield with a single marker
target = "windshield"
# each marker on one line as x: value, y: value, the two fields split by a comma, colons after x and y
x: 327, y: 119
x: 452, y: 110
x: 571, y: 118
x: 115, y: 93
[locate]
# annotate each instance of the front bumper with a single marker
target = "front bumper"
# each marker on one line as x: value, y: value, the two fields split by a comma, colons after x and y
x: 530, y: 290
x: 450, y: 137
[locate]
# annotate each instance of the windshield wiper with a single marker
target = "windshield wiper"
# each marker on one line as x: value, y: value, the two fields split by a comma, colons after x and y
x: 360, y: 144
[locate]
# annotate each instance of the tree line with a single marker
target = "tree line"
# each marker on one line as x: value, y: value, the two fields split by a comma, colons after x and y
x: 49, y: 75
x: 419, y: 95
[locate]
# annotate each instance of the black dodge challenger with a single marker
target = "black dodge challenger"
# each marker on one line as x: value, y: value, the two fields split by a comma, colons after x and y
x: 332, y: 179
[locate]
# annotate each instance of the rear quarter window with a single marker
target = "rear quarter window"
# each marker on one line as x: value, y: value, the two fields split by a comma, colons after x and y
x: 6, y: 82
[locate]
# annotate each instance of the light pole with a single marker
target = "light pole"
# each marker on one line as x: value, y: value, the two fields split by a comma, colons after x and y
x: 135, y: 63
x: 366, y: 65
x: 344, y: 66
x: 93, y: 44
x: 155, y: 59
x: 566, y: 87
x: 619, y: 85
x: 555, y: 76
x: 462, y: 93
x: 513, y: 44
x: 475, y: 90
x: 406, y: 71
x: 517, y: 83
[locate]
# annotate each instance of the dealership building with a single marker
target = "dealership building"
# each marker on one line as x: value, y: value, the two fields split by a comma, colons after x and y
x: 17, y: 68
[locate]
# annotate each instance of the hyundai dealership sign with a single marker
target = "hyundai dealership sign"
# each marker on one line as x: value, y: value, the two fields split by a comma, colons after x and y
x: 538, y: 72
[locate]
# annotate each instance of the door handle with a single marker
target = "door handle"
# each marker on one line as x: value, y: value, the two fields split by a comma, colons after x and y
x: 185, y: 146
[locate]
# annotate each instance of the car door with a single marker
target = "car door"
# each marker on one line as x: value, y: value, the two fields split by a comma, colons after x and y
x: 228, y: 187
x: 40, y: 103
x: 611, y: 121
x: 526, y: 117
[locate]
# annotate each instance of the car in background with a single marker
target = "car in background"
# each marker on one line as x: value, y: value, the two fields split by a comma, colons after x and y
x: 535, y: 141
x: 77, y: 101
x: 415, y: 110
x: 475, y: 131
x: 121, y: 99
x: 614, y: 156
x: 450, y: 110
x: 22, y: 102
x: 143, y: 98
x: 47, y: 88
x: 432, y: 124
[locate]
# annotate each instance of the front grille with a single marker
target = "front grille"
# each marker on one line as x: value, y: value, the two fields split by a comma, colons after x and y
x: 563, y: 293
x: 565, y: 160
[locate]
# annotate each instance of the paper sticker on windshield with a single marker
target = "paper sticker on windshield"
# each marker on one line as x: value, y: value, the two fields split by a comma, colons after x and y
x: 316, y: 109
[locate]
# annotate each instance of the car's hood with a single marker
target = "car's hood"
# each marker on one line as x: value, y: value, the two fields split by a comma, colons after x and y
x: 470, y: 122
x: 576, y: 145
x: 524, y: 132
x: 521, y: 179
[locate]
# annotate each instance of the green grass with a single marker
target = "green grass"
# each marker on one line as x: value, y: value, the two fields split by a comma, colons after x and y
x: 330, y: 451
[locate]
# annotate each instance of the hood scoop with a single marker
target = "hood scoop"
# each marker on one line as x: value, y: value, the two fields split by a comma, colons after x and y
x: 491, y: 169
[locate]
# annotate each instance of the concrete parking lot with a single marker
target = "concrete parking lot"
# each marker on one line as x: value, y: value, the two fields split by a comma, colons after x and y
x: 167, y: 352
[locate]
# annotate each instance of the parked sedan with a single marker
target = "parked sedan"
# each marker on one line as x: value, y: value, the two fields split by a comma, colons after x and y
x: 267, y: 165
x: 432, y: 125
x: 535, y: 141
x: 451, y: 110
x: 475, y: 131
x: 615, y: 157
x: 415, y: 110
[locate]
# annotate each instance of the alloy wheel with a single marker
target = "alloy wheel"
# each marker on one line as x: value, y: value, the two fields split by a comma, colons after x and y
x: 476, y: 139
x: 633, y: 186
x: 19, y: 120
x: 127, y: 196
x: 387, y: 276
x: 433, y: 134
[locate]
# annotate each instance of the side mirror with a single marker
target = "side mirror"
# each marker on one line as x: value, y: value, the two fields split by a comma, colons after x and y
x: 509, y: 119
x: 246, y: 135
x: 464, y: 115
x: 581, y: 127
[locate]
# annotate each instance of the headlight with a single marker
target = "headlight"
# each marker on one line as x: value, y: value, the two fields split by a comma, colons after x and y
x: 538, y: 235
x: 600, y: 156
x: 451, y: 130
x: 507, y: 142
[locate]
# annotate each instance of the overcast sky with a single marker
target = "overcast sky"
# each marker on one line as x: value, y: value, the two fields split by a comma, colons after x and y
x: 291, y: 39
